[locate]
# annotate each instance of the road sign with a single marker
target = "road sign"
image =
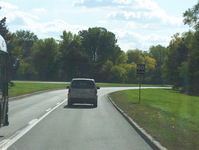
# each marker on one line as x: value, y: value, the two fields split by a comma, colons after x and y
x: 140, y: 68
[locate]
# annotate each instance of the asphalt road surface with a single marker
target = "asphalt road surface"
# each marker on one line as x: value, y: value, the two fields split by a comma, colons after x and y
x: 45, y: 122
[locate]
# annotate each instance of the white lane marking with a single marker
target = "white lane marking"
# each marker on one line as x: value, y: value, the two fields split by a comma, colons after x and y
x: 48, y: 109
x: 6, y: 143
x: 32, y: 121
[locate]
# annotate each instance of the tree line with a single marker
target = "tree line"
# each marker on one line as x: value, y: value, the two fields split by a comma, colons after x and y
x: 94, y: 53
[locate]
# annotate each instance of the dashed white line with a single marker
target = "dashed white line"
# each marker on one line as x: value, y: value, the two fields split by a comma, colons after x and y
x: 48, y: 109
x: 6, y: 143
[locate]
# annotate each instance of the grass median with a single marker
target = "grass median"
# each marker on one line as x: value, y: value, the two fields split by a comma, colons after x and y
x: 168, y: 116
x: 22, y: 88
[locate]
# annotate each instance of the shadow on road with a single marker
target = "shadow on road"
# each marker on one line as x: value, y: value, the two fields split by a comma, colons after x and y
x: 79, y: 106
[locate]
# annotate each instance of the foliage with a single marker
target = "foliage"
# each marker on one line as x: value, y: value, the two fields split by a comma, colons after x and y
x: 159, y: 53
x: 44, y: 53
x: 26, y: 40
x: 191, y: 16
x: 135, y: 56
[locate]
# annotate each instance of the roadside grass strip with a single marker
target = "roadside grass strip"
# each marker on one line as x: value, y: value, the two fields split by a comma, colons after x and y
x: 168, y: 116
x: 22, y: 88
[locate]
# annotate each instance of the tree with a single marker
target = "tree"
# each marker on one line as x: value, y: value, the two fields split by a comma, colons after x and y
x: 130, y: 76
x: 105, y: 71
x: 74, y: 61
x: 118, y: 74
x: 191, y: 16
x: 99, y: 44
x: 173, y: 62
x: 150, y: 64
x: 193, y: 63
x: 135, y: 56
x: 159, y: 53
x: 44, y: 59
x: 26, y: 41
x: 3, y: 28
x: 122, y: 58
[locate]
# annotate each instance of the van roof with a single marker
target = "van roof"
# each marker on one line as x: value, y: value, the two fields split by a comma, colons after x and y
x: 83, y: 79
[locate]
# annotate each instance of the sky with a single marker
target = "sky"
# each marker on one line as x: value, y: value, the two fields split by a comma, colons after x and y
x: 137, y: 24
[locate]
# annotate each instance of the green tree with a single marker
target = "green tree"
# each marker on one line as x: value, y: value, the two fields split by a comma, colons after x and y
x: 122, y: 58
x: 150, y: 64
x: 105, y: 71
x: 3, y: 28
x: 74, y: 61
x: 44, y: 59
x: 193, y: 63
x: 177, y: 54
x: 135, y: 56
x: 26, y: 41
x: 99, y: 44
x: 118, y: 74
x: 130, y: 76
x: 159, y: 53
x: 191, y: 16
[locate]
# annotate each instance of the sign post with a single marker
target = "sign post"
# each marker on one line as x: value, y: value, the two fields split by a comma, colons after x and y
x: 140, y: 73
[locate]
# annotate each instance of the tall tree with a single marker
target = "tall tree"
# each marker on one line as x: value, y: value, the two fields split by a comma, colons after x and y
x: 177, y: 54
x: 44, y: 59
x: 191, y: 16
x: 159, y: 53
x: 99, y: 44
x: 26, y: 41
x: 75, y: 62
x: 135, y: 56
x: 3, y: 28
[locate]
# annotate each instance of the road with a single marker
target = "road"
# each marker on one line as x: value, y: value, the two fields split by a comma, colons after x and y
x: 44, y: 122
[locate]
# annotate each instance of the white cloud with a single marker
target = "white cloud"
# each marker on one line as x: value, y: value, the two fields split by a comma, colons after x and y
x: 39, y: 10
x: 142, y: 11
x: 17, y: 20
x: 122, y: 1
x: 26, y: 17
x: 6, y: 6
x: 77, y: 2
x: 132, y: 40
x: 147, y: 4
x: 57, y: 26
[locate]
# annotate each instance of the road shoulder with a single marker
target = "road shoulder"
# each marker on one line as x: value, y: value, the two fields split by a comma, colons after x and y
x: 148, y: 138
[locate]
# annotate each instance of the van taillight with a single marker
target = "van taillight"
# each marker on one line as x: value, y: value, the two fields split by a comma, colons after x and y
x: 95, y: 91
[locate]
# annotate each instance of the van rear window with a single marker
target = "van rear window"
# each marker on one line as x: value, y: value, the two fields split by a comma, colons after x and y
x: 83, y: 84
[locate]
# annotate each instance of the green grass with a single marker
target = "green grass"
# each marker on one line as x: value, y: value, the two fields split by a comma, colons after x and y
x: 127, y: 85
x: 22, y: 88
x: 170, y: 117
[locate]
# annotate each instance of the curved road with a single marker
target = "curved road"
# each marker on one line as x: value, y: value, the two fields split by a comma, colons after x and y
x: 44, y: 122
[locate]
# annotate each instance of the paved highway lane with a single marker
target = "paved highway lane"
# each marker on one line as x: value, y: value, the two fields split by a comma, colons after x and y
x: 80, y: 127
x: 25, y: 109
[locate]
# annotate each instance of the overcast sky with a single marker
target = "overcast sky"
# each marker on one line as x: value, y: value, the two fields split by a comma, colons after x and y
x: 136, y: 23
